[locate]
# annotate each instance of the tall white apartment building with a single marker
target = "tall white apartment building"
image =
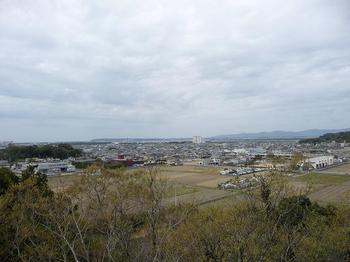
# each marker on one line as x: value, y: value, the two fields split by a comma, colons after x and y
x: 197, y: 140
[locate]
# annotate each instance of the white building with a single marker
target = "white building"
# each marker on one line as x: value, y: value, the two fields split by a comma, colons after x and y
x: 318, y: 162
x: 197, y: 140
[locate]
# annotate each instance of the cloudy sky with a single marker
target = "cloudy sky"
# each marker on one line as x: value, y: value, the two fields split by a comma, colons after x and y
x: 80, y: 69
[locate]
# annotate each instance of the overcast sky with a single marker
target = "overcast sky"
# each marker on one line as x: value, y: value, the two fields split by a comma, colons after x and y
x: 80, y: 69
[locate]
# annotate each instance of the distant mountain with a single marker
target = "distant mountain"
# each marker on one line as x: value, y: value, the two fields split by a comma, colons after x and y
x: 311, y: 133
x: 138, y: 140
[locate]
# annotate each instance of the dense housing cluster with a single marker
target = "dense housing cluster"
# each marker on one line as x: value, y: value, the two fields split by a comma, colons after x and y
x: 63, y: 158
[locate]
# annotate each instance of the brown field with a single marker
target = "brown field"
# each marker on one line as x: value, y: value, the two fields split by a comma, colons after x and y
x: 341, y: 170
x: 198, y: 176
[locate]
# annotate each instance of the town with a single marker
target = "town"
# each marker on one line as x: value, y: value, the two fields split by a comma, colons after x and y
x: 242, y: 154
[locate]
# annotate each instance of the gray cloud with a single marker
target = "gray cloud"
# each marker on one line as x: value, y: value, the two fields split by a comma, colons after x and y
x: 73, y: 69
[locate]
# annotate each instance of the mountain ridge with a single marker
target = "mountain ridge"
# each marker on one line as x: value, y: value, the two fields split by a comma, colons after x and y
x: 276, y: 134
x: 280, y: 134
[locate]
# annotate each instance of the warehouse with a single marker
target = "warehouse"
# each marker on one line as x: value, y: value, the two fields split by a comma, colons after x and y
x: 319, y: 162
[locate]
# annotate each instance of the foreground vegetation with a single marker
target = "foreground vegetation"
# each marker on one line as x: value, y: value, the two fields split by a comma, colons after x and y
x: 126, y: 216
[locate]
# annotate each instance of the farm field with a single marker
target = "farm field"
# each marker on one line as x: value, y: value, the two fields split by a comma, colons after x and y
x: 190, y: 184
x: 335, y: 193
x: 198, y: 184
x: 339, y: 170
x: 326, y: 188
x: 205, y: 180
x: 194, y: 175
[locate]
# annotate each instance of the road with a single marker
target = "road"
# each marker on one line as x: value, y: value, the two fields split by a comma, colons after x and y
x: 202, y: 196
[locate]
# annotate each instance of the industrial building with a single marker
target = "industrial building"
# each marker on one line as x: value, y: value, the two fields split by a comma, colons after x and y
x: 55, y: 167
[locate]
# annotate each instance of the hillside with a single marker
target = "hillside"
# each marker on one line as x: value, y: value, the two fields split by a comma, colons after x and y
x: 329, y: 137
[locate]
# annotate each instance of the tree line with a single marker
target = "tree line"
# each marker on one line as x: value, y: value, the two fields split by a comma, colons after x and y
x: 116, y: 215
x: 62, y: 151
